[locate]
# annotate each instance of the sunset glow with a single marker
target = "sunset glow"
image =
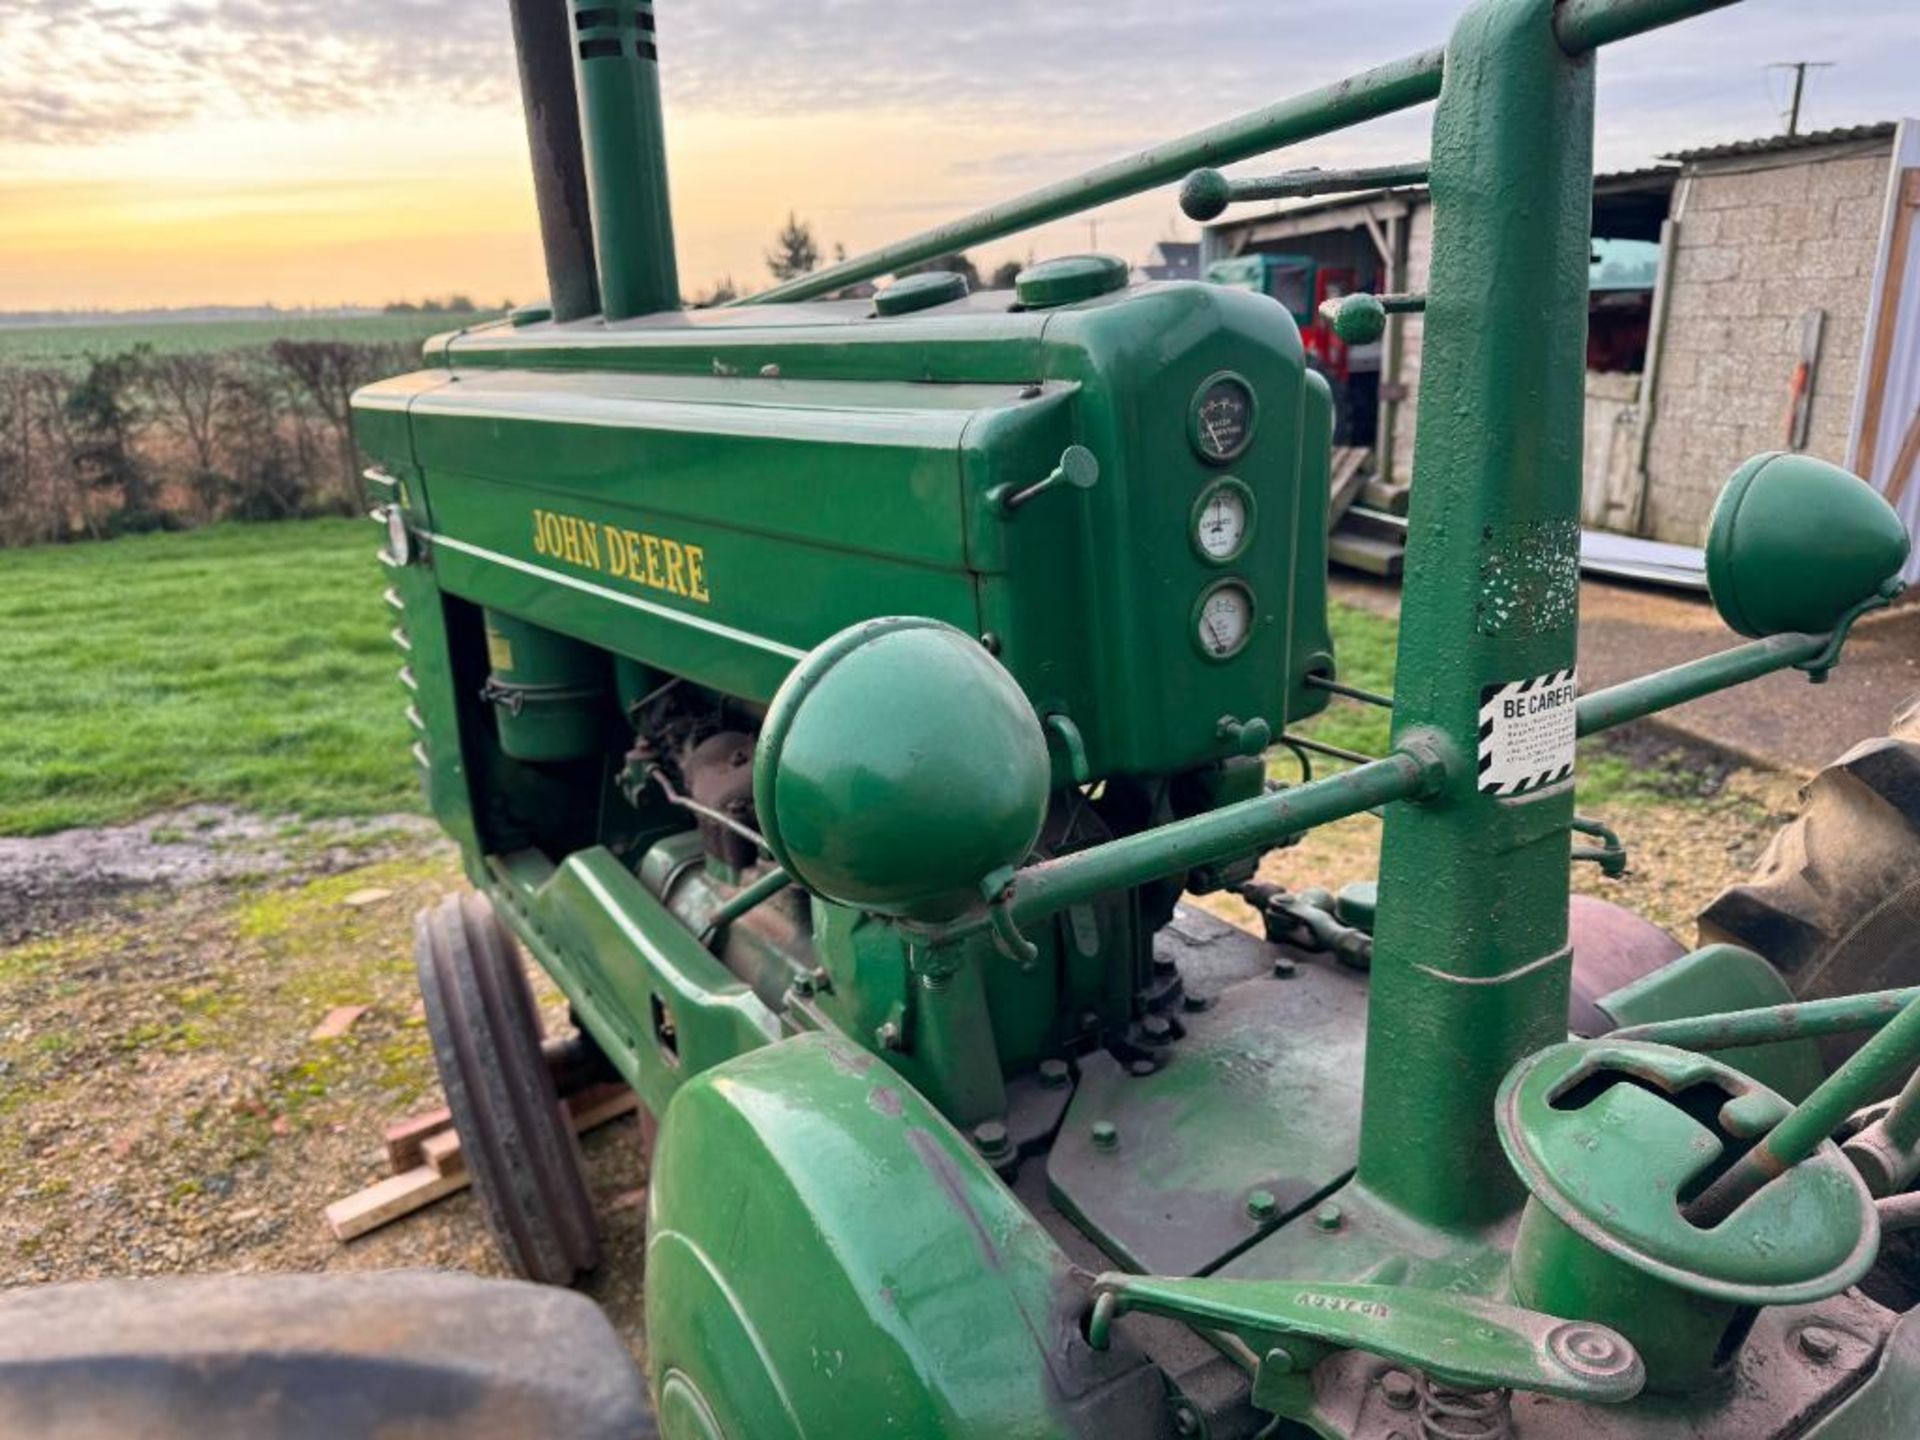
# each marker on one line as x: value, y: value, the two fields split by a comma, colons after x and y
x: 181, y: 152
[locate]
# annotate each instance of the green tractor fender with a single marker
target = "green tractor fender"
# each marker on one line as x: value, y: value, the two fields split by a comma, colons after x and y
x: 828, y: 1257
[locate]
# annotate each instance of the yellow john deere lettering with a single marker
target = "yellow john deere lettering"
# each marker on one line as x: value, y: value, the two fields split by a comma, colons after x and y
x: 651, y: 562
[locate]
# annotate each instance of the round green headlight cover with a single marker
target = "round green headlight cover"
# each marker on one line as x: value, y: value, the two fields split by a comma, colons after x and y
x: 899, y: 765
x: 1796, y: 543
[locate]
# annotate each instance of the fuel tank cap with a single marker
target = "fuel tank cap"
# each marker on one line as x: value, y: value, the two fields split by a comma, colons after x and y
x: 1069, y: 278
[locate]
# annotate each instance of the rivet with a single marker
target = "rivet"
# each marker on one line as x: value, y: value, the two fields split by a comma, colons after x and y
x: 1106, y: 1135
x: 1262, y: 1206
x: 1327, y: 1217
x: 1819, y: 1344
x: 1054, y: 1074
x: 1399, y: 1389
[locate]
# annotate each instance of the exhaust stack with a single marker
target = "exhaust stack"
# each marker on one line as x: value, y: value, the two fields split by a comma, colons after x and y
x: 541, y: 42
x: 618, y: 74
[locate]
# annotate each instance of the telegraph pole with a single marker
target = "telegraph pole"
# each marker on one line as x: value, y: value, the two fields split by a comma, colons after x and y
x: 1799, y: 68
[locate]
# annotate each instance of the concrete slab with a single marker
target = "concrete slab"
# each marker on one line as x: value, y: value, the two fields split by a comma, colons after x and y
x: 1781, y: 722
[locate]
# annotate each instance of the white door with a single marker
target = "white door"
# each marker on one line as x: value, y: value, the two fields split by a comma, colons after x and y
x: 1885, y: 447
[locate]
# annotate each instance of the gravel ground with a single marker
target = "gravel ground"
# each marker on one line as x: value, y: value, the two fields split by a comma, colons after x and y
x: 165, y: 1107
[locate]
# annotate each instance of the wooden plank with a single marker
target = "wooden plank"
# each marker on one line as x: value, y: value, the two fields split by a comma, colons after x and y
x: 440, y: 1169
x: 404, y: 1137
x: 391, y: 1198
x: 1904, y: 462
x: 1363, y: 552
x: 1347, y: 479
x: 1888, y: 320
x: 1806, y: 375
x: 442, y: 1153
x: 1383, y: 495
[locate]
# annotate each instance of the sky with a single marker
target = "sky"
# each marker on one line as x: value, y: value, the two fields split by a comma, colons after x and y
x: 321, y: 152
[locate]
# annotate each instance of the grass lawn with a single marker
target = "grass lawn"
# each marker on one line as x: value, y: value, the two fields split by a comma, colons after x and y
x: 250, y: 665
x: 245, y: 664
x: 69, y: 346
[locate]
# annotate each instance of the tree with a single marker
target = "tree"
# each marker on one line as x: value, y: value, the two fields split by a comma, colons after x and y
x: 324, y: 374
x: 718, y: 293
x: 1005, y: 273
x: 103, y: 411
x: 795, y: 251
x: 186, y: 392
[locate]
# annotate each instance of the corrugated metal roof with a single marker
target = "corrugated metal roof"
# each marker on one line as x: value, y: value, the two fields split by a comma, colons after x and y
x: 1647, y: 177
x: 1777, y: 144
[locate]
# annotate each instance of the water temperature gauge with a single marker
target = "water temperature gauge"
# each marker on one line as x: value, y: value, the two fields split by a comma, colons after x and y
x: 1222, y: 520
x: 1223, y: 620
x: 1221, y: 421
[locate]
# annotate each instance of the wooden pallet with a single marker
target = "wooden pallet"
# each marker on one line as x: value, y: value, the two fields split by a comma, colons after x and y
x: 424, y: 1154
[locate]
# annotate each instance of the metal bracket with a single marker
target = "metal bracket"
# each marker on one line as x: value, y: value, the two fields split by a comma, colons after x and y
x: 1457, y: 1339
x: 1821, y: 665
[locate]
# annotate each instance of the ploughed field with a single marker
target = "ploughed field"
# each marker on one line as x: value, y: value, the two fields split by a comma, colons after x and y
x: 64, y: 346
x: 210, y: 842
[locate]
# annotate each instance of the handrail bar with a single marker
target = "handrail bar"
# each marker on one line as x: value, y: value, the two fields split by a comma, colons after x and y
x: 1580, y: 26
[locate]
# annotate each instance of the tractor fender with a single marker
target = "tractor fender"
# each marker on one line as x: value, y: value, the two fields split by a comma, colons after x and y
x: 828, y: 1257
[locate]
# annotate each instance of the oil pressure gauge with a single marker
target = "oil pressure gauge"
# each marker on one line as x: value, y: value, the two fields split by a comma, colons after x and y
x: 1223, y: 620
x: 1222, y: 520
x: 1222, y: 417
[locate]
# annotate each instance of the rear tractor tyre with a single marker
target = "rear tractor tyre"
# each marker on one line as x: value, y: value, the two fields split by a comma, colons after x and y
x: 515, y: 1136
x: 1835, y: 901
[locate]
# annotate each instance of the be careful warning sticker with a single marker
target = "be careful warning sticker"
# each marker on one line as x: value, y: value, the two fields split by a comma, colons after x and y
x: 1527, y: 733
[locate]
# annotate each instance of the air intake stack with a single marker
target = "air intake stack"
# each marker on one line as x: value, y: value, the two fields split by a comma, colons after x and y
x: 618, y: 74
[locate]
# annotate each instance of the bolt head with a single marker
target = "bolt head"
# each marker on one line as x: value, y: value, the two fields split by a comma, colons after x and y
x: 1328, y: 1217
x: 1262, y: 1206
x: 1819, y: 1344
x: 1157, y: 1028
x: 1106, y: 1134
x: 991, y: 1136
x: 1193, y: 1004
x: 1142, y: 1068
x: 1283, y: 967
x: 1054, y: 1074
x: 887, y: 1037
x: 1185, y: 1421
x: 1399, y: 1389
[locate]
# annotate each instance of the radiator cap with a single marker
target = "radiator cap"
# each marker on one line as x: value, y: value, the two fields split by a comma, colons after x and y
x: 920, y: 292
x: 899, y: 765
x: 1795, y: 543
x: 1068, y: 279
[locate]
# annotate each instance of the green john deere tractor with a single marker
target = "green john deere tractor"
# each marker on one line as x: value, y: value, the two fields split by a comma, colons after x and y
x: 837, y: 697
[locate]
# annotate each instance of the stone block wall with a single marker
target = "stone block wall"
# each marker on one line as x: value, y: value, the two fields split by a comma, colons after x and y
x: 1761, y: 241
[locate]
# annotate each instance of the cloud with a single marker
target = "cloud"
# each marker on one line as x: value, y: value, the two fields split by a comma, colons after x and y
x: 80, y: 71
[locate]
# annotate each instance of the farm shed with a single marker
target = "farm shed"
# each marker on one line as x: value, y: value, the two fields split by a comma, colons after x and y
x: 1755, y: 296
